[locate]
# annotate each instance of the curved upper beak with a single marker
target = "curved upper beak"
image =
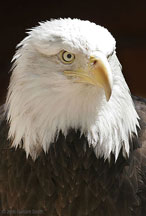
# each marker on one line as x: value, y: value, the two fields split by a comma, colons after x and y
x: 101, y: 74
x: 98, y: 73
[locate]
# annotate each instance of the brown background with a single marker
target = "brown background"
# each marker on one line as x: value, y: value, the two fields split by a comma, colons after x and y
x: 126, y: 19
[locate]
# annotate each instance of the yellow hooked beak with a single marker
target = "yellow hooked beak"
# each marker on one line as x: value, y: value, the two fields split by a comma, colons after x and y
x: 98, y: 73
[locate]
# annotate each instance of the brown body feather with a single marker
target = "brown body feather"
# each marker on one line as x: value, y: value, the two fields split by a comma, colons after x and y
x: 71, y: 181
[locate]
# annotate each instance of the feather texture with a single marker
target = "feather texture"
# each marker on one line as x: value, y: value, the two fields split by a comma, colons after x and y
x: 69, y: 180
x: 65, y: 150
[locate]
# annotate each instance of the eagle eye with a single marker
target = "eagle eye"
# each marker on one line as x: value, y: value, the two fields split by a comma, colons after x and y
x: 67, y: 57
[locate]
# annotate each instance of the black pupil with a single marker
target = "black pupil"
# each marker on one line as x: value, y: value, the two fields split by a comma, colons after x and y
x: 68, y: 56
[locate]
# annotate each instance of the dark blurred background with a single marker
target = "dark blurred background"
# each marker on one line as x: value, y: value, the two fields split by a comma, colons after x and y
x: 125, y: 19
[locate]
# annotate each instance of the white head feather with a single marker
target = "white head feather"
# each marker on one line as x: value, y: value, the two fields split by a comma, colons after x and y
x: 42, y: 101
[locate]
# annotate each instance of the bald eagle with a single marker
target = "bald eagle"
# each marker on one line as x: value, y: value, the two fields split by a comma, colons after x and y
x: 72, y: 138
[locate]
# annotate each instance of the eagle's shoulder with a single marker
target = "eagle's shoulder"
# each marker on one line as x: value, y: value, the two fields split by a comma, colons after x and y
x: 2, y: 115
x: 3, y: 128
x: 138, y: 163
x: 140, y: 105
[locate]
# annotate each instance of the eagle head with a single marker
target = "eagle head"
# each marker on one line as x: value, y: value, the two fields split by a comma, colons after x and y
x: 66, y: 75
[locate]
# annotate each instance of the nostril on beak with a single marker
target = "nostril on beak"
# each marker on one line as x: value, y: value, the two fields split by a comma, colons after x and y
x: 95, y: 61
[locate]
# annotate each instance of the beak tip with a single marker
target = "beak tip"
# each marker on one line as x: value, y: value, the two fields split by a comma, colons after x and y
x: 108, y: 94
